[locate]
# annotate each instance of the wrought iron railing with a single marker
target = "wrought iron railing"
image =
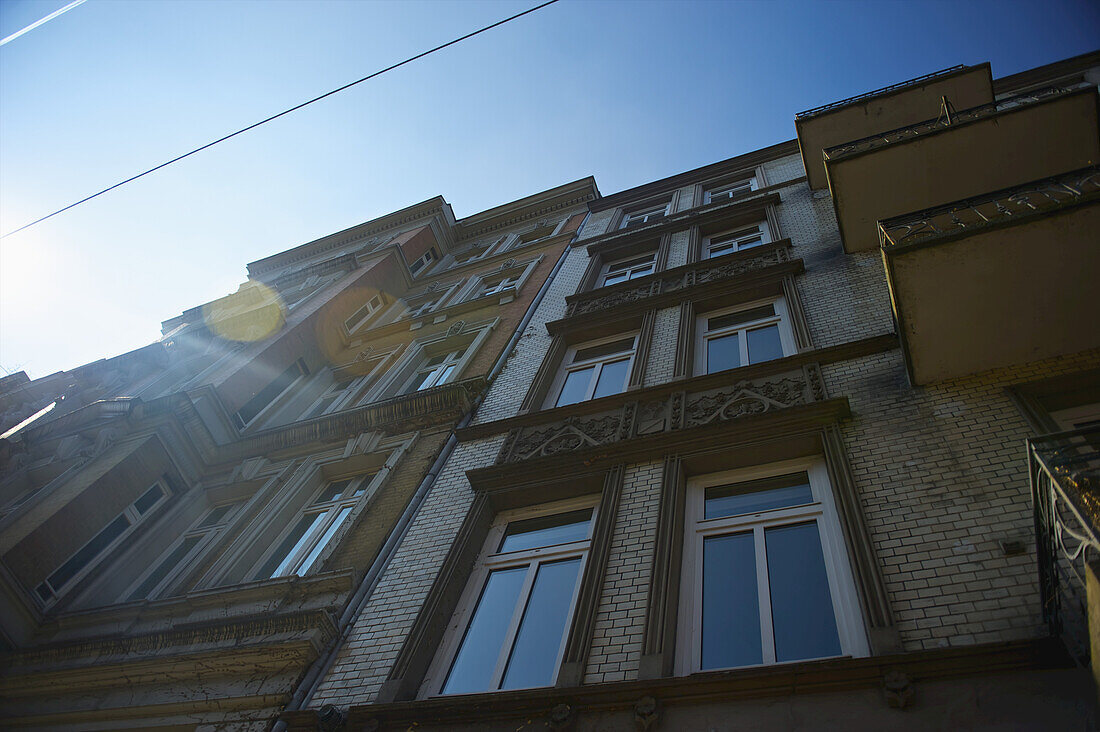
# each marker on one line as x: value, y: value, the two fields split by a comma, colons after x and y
x: 991, y: 209
x: 947, y: 118
x: 868, y: 95
x: 1065, y: 490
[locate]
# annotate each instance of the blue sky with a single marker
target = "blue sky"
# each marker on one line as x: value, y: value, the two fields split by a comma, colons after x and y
x: 625, y: 91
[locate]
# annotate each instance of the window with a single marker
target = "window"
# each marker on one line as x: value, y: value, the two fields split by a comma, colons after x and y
x: 594, y: 370
x: 498, y: 285
x: 628, y: 269
x: 746, y: 335
x: 765, y: 571
x: 329, y: 398
x: 265, y: 396
x: 297, y: 551
x: 106, y: 539
x: 435, y: 370
x: 735, y: 241
x: 363, y: 314
x: 644, y: 216
x: 425, y: 258
x: 183, y: 553
x: 511, y: 624
x: 729, y: 191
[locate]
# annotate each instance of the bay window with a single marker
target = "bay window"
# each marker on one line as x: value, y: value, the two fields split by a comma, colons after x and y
x: 766, y: 577
x: 750, y: 333
x: 593, y: 370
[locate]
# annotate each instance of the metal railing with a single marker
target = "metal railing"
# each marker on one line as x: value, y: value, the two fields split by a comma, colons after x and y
x: 990, y: 209
x: 1065, y: 491
x: 947, y: 118
x: 884, y: 90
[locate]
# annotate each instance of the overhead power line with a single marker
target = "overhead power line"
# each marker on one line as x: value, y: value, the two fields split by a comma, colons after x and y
x: 282, y: 114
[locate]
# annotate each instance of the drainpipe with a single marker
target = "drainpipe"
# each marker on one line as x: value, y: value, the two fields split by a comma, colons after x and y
x: 317, y: 671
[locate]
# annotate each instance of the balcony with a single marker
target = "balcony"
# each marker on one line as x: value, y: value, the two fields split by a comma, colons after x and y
x: 1065, y: 487
x: 1005, y: 278
x: 958, y: 155
x: 885, y: 109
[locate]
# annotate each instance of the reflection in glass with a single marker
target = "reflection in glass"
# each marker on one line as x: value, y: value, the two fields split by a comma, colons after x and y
x: 473, y: 667
x: 612, y: 378
x: 323, y: 541
x: 535, y: 652
x: 757, y: 495
x: 575, y: 386
x: 731, y: 609
x: 546, y: 530
x: 802, y: 607
x: 723, y: 353
x: 764, y: 344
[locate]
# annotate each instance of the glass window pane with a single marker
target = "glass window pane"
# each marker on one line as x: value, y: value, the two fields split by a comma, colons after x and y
x: 417, y: 382
x: 764, y: 344
x: 535, y: 652
x: 613, y: 279
x: 575, y: 386
x: 612, y: 378
x: 332, y: 491
x: 740, y: 317
x: 731, y: 606
x: 473, y: 667
x: 148, y: 499
x: 802, y: 608
x: 604, y: 349
x: 217, y: 514
x: 751, y: 242
x: 723, y: 353
x: 757, y: 495
x: 323, y: 541
x: 279, y: 561
x: 169, y: 563
x: 89, y: 552
x: 560, y: 528
x: 641, y: 271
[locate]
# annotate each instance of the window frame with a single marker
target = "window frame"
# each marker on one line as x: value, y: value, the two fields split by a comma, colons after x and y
x: 371, y: 313
x: 642, y: 215
x: 567, y: 365
x: 847, y: 611
x: 277, y: 401
x: 781, y: 318
x: 732, y: 186
x: 605, y: 269
x: 452, y: 361
x: 709, y: 240
x: 424, y: 260
x: 489, y: 560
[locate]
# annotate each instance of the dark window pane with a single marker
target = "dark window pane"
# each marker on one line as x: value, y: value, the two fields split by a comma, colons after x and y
x: 169, y: 563
x: 535, y: 652
x: 723, y: 353
x: 473, y: 667
x: 91, y: 550
x: 321, y: 543
x: 731, y: 606
x: 739, y: 317
x: 641, y: 272
x: 622, y: 266
x: 217, y: 514
x: 614, y: 279
x: 802, y: 607
x: 546, y: 530
x: 332, y: 491
x: 417, y: 382
x: 604, y: 349
x: 148, y: 499
x: 575, y: 386
x: 273, y: 566
x: 757, y: 495
x: 612, y: 378
x: 750, y: 243
x: 764, y: 344
x: 268, y: 394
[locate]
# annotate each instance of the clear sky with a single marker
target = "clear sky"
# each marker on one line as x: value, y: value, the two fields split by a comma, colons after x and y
x: 625, y: 91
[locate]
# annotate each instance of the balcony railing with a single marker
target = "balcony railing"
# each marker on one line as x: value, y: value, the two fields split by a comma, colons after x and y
x: 1065, y: 489
x: 992, y: 209
x: 947, y: 118
x: 877, y: 92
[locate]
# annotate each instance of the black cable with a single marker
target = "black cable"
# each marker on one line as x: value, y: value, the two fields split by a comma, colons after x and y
x: 284, y: 112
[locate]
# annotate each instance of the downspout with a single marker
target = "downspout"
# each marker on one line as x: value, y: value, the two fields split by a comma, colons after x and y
x: 317, y: 671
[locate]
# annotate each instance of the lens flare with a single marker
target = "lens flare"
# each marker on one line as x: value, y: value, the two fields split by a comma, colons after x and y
x: 252, y: 313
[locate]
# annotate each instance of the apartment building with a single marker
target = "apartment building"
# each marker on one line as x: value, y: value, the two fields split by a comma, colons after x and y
x: 805, y: 438
x: 182, y: 526
x: 761, y: 458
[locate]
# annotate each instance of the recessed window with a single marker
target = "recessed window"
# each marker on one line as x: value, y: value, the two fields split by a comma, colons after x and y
x: 518, y: 605
x: 265, y: 396
x: 594, y: 370
x: 105, y: 539
x: 363, y: 314
x: 730, y: 191
x: 433, y: 371
x: 647, y: 215
x: 297, y: 551
x: 425, y: 259
x: 497, y: 285
x: 736, y: 241
x: 765, y: 572
x: 330, y: 398
x: 628, y: 269
x: 728, y: 339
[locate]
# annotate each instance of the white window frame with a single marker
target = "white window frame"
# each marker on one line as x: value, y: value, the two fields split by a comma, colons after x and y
x: 738, y: 238
x: 440, y: 373
x: 357, y: 319
x: 568, y: 365
x: 206, y: 535
x: 315, y: 545
x: 730, y: 191
x: 851, y: 629
x: 488, y: 561
x: 781, y: 317
x: 278, y: 401
x: 424, y: 260
x: 632, y: 273
x: 645, y: 215
x: 133, y: 516
x: 502, y: 284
